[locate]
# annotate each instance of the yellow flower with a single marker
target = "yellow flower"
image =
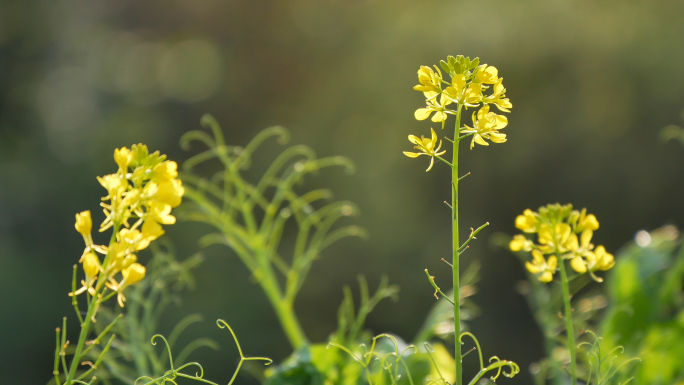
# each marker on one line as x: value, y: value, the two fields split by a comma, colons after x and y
x: 457, y: 92
x: 169, y: 192
x: 592, y: 261
x: 117, y: 253
x: 519, y: 242
x: 604, y: 260
x: 131, y: 275
x: 166, y: 170
x: 527, y: 222
x: 91, y: 268
x: 498, y: 97
x: 486, y: 126
x: 541, y: 267
x: 160, y: 213
x: 152, y: 230
x: 433, y: 106
x: 556, y: 239
x: 582, y: 246
x: 133, y: 239
x: 115, y: 185
x: 588, y: 222
x: 123, y: 157
x: 84, y: 225
x: 429, y: 80
x: 487, y: 74
x: 426, y: 147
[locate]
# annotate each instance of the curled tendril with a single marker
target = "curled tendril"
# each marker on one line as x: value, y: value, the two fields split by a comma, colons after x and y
x: 602, y: 367
x: 501, y: 365
x: 171, y: 374
x: 495, y: 363
x: 429, y: 349
x: 168, y: 348
x: 388, y: 362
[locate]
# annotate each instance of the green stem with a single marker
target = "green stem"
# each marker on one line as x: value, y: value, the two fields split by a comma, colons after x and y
x: 92, y: 309
x: 284, y: 308
x: 85, y: 328
x: 456, y: 246
x: 568, y: 321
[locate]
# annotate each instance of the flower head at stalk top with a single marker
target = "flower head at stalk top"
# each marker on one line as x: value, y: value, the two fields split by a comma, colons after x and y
x: 469, y: 84
x: 486, y: 125
x: 426, y: 146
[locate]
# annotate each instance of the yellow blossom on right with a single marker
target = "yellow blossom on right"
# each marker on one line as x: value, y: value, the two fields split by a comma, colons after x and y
x: 563, y: 232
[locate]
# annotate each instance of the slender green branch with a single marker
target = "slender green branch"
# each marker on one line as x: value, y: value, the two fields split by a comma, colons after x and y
x: 568, y: 322
x: 55, y: 371
x: 459, y: 179
x: 444, y: 160
x: 473, y: 233
x: 99, y: 338
x: 99, y: 359
x: 455, y: 245
x: 437, y: 289
x: 74, y: 301
x: 477, y: 346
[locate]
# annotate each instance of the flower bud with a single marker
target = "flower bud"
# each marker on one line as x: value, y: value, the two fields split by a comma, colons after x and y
x: 84, y: 223
x: 133, y: 273
x: 91, y: 265
x: 123, y: 157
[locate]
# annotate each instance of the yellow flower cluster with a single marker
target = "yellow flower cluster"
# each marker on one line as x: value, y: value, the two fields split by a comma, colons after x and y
x: 143, y: 191
x: 561, y: 233
x: 470, y: 84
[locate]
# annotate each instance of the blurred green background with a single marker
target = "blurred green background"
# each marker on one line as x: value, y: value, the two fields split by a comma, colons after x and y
x: 592, y: 83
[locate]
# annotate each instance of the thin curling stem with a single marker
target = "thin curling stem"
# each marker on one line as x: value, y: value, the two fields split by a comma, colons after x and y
x: 568, y: 321
x: 455, y: 249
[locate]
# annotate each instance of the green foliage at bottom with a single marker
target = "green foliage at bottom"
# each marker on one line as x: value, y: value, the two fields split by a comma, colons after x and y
x: 647, y: 312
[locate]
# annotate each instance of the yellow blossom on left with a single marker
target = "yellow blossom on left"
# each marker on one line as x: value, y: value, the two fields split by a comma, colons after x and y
x: 140, y: 198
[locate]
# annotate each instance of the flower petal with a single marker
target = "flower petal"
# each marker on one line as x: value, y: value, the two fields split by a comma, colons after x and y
x: 422, y: 113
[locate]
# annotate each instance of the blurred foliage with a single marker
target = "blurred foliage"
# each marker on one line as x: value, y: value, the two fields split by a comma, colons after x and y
x: 251, y: 218
x: 131, y: 354
x: 646, y: 313
x: 546, y: 302
x: 593, y: 81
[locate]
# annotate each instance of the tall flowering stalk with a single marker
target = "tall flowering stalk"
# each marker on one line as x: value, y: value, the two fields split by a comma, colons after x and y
x: 469, y: 85
x: 140, y: 196
x: 563, y: 237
